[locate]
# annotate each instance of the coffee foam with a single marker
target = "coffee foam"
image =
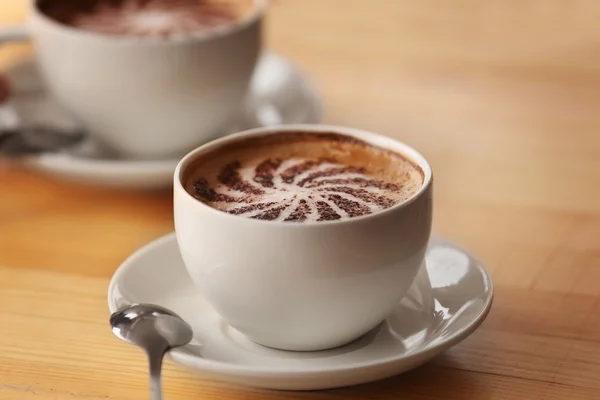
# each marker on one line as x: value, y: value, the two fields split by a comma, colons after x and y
x: 149, y: 17
x: 301, y: 177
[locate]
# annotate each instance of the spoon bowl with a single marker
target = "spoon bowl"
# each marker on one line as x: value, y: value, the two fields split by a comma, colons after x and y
x: 140, y: 324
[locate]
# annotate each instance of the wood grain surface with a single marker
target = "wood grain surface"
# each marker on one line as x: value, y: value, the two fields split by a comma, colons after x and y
x: 502, y: 96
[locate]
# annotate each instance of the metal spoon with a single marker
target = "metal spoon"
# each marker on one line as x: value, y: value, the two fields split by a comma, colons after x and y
x: 28, y: 140
x: 154, y: 329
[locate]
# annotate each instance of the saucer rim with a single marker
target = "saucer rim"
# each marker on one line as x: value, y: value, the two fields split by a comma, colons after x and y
x: 221, y: 367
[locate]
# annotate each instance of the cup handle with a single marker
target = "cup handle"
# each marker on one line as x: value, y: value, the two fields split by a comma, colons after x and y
x: 16, y: 33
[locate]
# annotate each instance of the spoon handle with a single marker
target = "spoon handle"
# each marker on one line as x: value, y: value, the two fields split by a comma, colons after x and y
x: 155, y: 360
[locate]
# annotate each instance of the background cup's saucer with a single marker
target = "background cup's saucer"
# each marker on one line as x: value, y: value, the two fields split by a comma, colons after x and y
x: 448, y: 301
x: 280, y: 94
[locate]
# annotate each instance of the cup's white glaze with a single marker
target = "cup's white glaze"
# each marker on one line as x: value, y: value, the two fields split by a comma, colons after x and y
x: 150, y: 97
x: 308, y: 286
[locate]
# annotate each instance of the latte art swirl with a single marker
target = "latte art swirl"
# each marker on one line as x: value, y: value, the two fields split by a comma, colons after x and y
x: 298, y: 190
x: 301, y: 177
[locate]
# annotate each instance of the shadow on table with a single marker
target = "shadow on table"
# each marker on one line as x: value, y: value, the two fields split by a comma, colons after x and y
x: 429, y: 381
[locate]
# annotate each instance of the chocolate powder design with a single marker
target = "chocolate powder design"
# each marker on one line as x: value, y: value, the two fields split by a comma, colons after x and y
x: 296, y: 191
x: 291, y: 173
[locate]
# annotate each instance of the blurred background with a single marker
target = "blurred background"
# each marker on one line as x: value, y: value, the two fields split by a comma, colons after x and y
x: 501, y: 96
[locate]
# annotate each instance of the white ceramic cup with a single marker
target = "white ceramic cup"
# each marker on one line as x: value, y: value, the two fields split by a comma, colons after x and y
x: 147, y: 97
x: 304, y: 286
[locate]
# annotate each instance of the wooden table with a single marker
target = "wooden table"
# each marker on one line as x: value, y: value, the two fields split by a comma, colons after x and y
x: 502, y: 96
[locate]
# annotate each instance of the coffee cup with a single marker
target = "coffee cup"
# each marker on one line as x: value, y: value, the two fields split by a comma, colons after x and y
x: 314, y: 283
x: 154, y: 96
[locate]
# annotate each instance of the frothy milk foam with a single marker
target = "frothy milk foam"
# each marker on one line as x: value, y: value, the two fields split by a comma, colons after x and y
x: 147, y: 17
x: 302, y: 177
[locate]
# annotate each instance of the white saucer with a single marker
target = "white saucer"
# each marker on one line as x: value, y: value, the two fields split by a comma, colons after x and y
x: 280, y: 94
x: 448, y: 301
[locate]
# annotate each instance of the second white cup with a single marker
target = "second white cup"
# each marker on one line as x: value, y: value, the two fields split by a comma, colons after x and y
x: 148, y: 97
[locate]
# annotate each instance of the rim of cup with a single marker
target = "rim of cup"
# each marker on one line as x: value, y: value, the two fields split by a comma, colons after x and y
x: 36, y: 16
x: 374, y: 139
